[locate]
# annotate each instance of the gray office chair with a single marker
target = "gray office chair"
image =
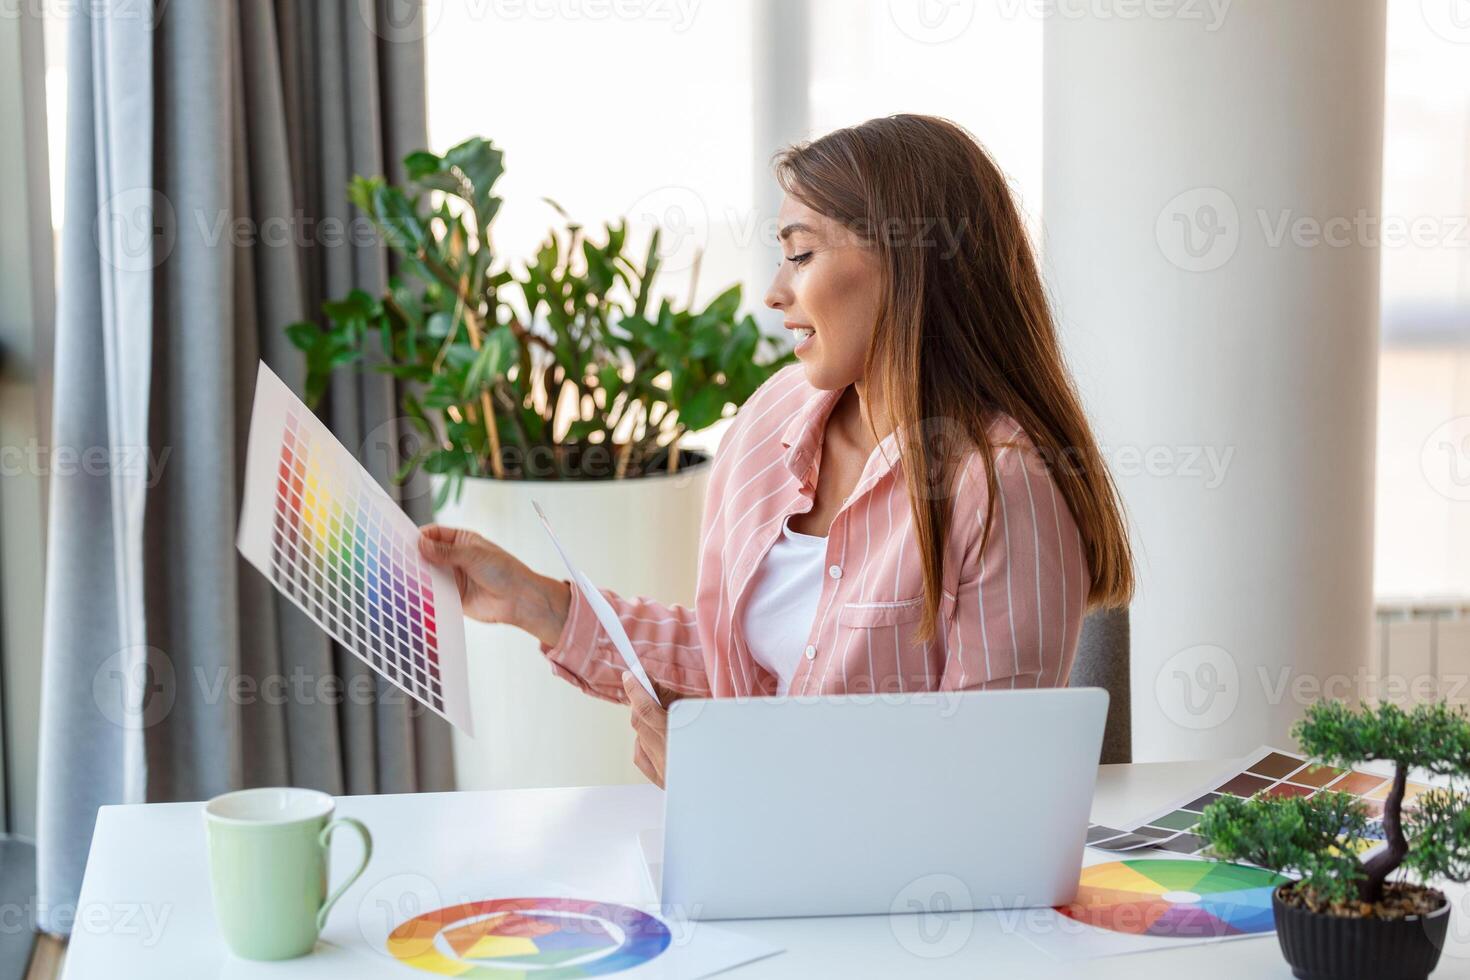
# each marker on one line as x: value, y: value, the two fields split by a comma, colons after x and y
x: 1102, y: 661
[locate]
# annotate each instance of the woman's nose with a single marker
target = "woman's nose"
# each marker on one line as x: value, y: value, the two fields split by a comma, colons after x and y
x: 777, y: 295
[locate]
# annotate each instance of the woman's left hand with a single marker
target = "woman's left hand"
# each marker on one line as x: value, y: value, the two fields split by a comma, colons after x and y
x: 651, y: 723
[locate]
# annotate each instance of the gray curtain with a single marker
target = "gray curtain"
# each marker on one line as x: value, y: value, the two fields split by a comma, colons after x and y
x: 208, y: 158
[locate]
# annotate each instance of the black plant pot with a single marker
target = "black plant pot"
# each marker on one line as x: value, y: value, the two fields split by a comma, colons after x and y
x: 1332, y: 947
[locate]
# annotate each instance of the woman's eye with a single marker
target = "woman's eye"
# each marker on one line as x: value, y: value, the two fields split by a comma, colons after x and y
x: 799, y: 259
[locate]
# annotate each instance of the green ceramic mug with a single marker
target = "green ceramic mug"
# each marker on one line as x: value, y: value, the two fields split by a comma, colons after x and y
x: 268, y: 868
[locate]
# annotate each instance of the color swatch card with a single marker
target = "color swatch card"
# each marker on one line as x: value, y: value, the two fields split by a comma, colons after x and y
x: 1266, y: 772
x: 334, y: 543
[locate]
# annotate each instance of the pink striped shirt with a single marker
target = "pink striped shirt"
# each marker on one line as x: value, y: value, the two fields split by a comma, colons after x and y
x: 1008, y: 618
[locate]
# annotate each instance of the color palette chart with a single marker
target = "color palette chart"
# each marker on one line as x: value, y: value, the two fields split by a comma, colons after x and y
x: 1267, y: 772
x: 546, y: 938
x: 1139, y: 905
x: 1180, y: 899
x: 332, y: 541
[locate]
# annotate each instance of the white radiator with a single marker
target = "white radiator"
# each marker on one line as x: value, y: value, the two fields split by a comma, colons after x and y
x: 1421, y: 650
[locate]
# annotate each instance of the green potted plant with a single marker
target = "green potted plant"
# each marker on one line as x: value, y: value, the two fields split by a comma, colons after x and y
x: 565, y: 378
x: 563, y: 368
x: 1344, y: 917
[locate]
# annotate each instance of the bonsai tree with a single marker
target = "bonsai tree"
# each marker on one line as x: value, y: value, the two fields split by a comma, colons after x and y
x: 562, y: 368
x: 1321, y: 838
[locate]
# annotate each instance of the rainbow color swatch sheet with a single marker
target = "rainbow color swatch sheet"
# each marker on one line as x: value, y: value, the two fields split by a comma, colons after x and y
x: 332, y: 541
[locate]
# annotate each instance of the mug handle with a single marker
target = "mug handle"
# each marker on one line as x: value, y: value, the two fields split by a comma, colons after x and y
x: 367, y: 853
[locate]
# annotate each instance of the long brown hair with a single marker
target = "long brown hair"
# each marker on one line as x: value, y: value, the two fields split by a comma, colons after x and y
x: 964, y: 329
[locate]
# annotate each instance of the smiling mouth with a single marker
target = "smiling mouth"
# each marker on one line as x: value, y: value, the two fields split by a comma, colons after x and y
x: 802, y: 332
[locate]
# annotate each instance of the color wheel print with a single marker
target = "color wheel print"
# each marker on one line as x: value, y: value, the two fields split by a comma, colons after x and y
x: 540, y: 938
x: 1175, y: 898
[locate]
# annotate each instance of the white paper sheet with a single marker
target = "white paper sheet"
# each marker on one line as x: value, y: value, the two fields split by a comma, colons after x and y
x: 319, y: 527
x: 605, y: 614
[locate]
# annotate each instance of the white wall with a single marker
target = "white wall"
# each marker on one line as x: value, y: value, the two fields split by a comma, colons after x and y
x: 1174, y: 150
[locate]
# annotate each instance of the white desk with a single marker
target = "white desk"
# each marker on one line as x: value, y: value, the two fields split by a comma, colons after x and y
x: 145, y: 905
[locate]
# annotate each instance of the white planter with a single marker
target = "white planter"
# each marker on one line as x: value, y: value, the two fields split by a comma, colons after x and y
x: 636, y: 537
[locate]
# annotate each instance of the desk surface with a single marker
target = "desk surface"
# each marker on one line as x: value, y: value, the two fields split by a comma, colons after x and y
x: 145, y: 906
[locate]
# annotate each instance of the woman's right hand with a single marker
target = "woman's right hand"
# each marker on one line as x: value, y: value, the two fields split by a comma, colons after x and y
x: 494, y: 585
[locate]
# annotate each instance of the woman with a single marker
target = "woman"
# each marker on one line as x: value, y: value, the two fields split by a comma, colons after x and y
x: 917, y: 504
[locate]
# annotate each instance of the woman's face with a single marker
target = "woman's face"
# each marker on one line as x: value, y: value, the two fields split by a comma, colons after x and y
x: 828, y: 283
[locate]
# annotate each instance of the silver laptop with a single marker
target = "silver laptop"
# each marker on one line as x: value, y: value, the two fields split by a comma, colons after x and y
x: 875, y: 803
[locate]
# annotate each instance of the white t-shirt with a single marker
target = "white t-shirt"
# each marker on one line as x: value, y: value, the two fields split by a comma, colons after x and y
x: 783, y: 602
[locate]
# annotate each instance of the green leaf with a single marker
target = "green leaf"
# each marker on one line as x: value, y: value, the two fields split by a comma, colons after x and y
x: 444, y: 461
x: 475, y: 165
x: 402, y: 226
x: 582, y: 428
x: 304, y: 335
x: 645, y: 281
x: 497, y: 348
x: 421, y: 163
x: 362, y: 192
x: 725, y: 305
x: 358, y: 307
x: 703, y: 408
x: 610, y: 380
